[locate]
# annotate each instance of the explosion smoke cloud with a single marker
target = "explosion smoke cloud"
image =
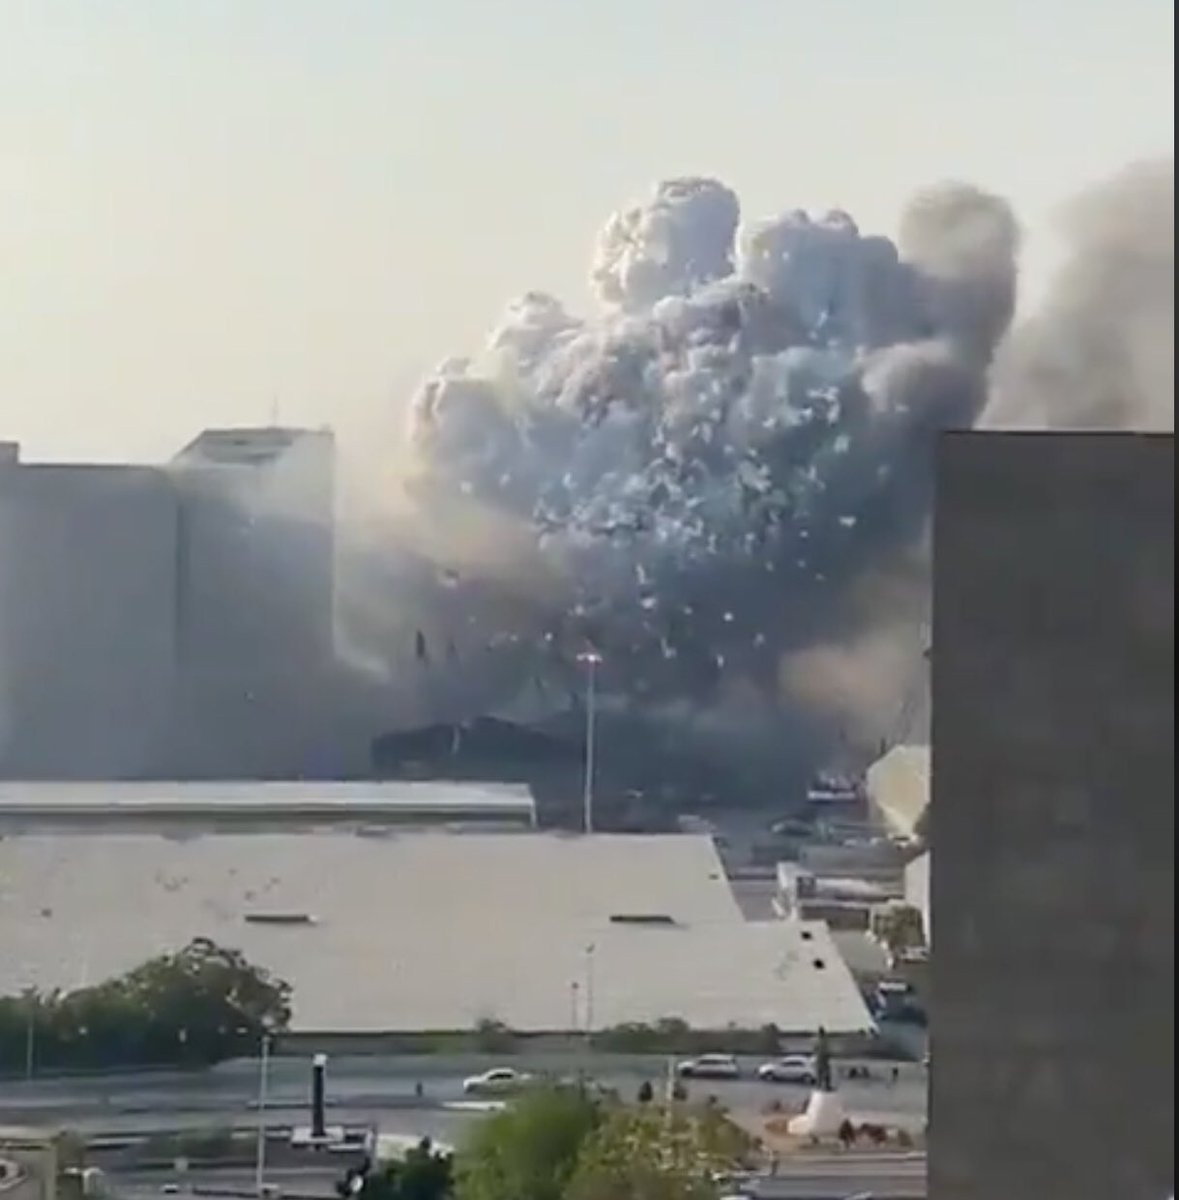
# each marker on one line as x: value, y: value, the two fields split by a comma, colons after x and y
x: 742, y: 431
x: 1100, y: 352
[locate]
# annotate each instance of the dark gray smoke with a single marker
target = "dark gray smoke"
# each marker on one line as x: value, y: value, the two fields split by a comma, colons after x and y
x: 708, y: 475
x: 1100, y: 353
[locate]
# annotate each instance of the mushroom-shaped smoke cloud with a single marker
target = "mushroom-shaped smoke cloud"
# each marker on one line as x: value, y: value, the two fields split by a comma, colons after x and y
x: 712, y: 463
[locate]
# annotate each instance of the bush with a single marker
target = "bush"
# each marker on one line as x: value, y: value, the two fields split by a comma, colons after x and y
x: 674, y: 1036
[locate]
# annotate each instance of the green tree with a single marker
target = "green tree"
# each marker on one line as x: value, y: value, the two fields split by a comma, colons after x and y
x: 201, y: 1004
x: 665, y: 1153
x: 529, y: 1150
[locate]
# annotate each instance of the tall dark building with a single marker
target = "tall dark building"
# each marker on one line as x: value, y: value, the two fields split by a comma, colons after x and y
x: 1053, y: 820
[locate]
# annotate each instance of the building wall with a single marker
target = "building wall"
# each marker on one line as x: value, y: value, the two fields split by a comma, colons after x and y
x: 87, y: 619
x: 176, y: 621
x: 917, y: 892
x: 878, y: 859
x: 1053, y: 818
x: 256, y: 579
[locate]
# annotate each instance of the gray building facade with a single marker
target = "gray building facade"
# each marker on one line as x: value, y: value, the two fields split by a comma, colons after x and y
x: 1052, y: 821
x: 174, y: 620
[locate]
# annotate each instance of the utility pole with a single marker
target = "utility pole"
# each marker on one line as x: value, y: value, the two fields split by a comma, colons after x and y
x: 591, y: 660
x: 589, y: 993
x: 260, y: 1150
x: 31, y: 1035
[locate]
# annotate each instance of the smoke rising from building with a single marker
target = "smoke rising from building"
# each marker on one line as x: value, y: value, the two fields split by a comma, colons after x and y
x: 720, y: 478
x: 704, y: 476
x: 1100, y: 353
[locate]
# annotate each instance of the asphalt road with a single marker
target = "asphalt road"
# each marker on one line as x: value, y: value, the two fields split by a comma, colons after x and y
x: 357, y: 1086
x: 820, y: 1179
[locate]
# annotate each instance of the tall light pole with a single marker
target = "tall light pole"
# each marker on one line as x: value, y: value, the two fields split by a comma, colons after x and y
x: 591, y: 660
x: 260, y: 1150
x: 31, y: 1033
x: 589, y: 1008
x: 589, y: 992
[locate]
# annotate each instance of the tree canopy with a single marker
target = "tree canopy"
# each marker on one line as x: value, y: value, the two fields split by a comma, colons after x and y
x: 562, y: 1145
x: 664, y: 1153
x: 199, y: 1005
x: 530, y: 1149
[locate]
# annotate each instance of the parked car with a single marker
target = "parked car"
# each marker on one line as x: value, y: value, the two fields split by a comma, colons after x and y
x: 794, y: 1068
x: 496, y: 1082
x: 709, y: 1066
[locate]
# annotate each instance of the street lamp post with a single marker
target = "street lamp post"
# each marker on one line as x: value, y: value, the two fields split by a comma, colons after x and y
x: 260, y: 1149
x: 589, y: 993
x: 31, y: 1035
x: 591, y: 660
x: 588, y: 989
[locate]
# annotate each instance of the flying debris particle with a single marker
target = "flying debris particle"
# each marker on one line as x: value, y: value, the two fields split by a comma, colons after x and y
x: 741, y: 391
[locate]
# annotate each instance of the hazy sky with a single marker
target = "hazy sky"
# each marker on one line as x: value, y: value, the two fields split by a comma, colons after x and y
x: 208, y: 207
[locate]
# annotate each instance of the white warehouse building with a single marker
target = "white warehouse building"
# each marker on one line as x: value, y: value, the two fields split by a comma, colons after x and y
x: 542, y: 932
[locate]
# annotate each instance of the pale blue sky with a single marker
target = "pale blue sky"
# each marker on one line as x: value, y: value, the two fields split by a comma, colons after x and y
x: 209, y: 204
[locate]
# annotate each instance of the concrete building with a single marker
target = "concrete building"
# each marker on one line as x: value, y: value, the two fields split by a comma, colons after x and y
x: 917, y: 875
x: 1053, y: 818
x: 844, y: 902
x: 88, y: 618
x: 169, y: 620
x: 182, y: 808
x: 544, y: 932
x: 865, y: 857
x: 255, y: 563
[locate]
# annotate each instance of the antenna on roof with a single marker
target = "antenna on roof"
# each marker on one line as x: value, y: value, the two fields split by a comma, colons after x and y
x: 274, y: 412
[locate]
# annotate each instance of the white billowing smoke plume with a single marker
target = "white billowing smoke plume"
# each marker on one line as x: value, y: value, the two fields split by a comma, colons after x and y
x: 700, y: 476
x: 1100, y: 354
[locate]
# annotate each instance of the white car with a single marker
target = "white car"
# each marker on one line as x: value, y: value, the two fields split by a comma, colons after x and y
x: 794, y: 1068
x: 709, y: 1066
x: 496, y: 1082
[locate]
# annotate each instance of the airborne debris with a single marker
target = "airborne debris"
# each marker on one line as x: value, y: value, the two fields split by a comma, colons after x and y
x: 687, y: 460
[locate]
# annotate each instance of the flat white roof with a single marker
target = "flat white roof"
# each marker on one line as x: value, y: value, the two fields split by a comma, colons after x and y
x: 56, y: 802
x: 429, y: 930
